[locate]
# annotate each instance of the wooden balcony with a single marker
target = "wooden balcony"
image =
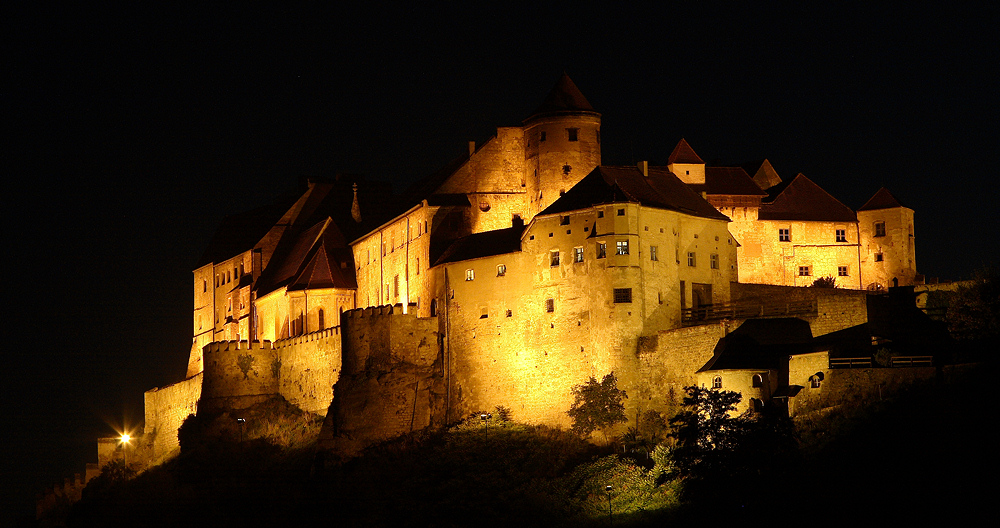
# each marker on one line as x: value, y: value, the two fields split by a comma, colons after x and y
x: 746, y: 310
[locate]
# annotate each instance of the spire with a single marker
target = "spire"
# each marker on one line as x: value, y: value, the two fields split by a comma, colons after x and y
x: 355, y: 207
x: 564, y: 97
x: 766, y: 177
x: 882, y: 199
x: 683, y: 153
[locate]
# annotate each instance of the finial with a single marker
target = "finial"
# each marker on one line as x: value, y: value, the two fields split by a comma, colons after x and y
x: 355, y: 207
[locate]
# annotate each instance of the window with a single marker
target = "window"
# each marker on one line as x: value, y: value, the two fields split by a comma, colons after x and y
x: 692, y: 259
x: 841, y: 271
x: 470, y: 275
x: 621, y: 212
x: 878, y: 257
x: 784, y: 235
x: 564, y: 220
x: 804, y: 271
x: 204, y: 285
x: 541, y: 136
x: 418, y: 265
x: 757, y: 381
x: 321, y: 319
x: 841, y: 235
x: 600, y: 214
x: 501, y: 270
x: 623, y: 295
x: 652, y: 253
x: 554, y: 258
x: 816, y: 380
x: 578, y: 255
x: 484, y: 313
x: 550, y: 305
x: 622, y: 247
x: 395, y: 285
x: 484, y: 206
x: 510, y: 313
x: 572, y: 133
x: 713, y: 261
x: 717, y: 382
x: 756, y: 404
x: 602, y: 250
x: 880, y: 229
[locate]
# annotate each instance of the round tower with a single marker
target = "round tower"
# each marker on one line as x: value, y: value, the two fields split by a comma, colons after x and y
x: 562, y: 144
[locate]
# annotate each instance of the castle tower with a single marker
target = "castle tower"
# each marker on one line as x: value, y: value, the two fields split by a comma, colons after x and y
x: 888, y: 255
x: 686, y: 164
x: 562, y: 144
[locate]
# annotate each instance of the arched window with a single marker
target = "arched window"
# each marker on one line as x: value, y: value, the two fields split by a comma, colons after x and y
x: 717, y: 382
x: 816, y: 380
x: 321, y: 321
x: 757, y: 405
x: 757, y: 381
x: 434, y: 305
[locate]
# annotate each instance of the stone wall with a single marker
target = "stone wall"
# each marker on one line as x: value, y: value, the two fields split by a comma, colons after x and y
x: 840, y: 386
x: 165, y: 411
x: 239, y: 374
x: 669, y: 360
x: 837, y: 308
x: 309, y: 367
x: 391, y: 382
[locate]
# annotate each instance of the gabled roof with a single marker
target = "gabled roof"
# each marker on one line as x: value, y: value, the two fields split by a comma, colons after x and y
x: 328, y: 267
x: 564, y: 97
x: 289, y: 262
x: 732, y: 181
x: 761, y: 344
x: 683, y: 153
x: 802, y: 199
x: 661, y: 189
x: 882, y: 199
x: 485, y: 244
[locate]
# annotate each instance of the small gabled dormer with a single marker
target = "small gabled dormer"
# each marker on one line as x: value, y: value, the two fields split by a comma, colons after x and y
x: 685, y: 164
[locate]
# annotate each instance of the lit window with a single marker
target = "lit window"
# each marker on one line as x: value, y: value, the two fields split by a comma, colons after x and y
x: 550, y: 305
x: 841, y: 271
x: 572, y: 133
x: 554, y: 258
x: 714, y: 261
x: 692, y: 260
x: 804, y: 271
x: 880, y: 229
x: 652, y: 253
x: 841, y: 235
x: 578, y: 254
x: 816, y: 380
x: 470, y: 275
x: 623, y: 295
x: 717, y: 382
x: 501, y: 270
x: 784, y: 235
x: 602, y: 250
x: 622, y: 246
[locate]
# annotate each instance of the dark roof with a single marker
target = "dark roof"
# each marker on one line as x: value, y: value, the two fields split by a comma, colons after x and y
x: 292, y: 258
x: 762, y: 173
x: 485, y: 244
x: 802, y: 199
x: 564, y: 98
x: 683, y: 153
x: 729, y: 181
x: 328, y: 267
x: 882, y: 199
x: 627, y: 184
x: 761, y: 344
x: 240, y: 232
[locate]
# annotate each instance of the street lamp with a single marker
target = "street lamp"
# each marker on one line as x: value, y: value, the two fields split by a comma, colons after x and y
x: 242, y: 422
x: 485, y: 417
x: 611, y: 519
x: 125, y: 438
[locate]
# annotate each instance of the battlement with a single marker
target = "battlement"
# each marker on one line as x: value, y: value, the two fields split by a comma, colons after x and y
x: 305, y: 338
x: 228, y: 346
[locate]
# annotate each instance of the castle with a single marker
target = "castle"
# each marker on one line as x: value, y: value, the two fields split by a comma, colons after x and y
x: 525, y: 267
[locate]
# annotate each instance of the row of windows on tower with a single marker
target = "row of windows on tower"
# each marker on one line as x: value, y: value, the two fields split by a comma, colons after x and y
x: 807, y: 271
x: 785, y: 235
x: 224, y: 277
x: 572, y: 134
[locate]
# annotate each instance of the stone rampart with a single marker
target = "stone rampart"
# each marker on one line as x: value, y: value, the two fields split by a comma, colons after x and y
x: 669, y: 360
x: 165, y: 411
x: 309, y: 368
x: 391, y: 380
x: 840, y: 386
x: 239, y: 374
x: 836, y: 308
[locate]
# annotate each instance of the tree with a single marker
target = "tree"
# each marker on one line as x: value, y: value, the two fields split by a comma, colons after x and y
x: 825, y: 282
x: 597, y: 405
x: 974, y: 310
x: 724, y: 457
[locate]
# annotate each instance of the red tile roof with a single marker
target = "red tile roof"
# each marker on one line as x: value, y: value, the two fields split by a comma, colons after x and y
x: 802, y: 199
x: 882, y: 199
x: 683, y: 153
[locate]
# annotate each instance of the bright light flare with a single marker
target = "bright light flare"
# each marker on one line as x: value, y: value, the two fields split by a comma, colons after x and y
x: 126, y: 438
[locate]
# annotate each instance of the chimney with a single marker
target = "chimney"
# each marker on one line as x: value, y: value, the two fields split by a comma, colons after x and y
x: 644, y: 168
x: 472, y: 148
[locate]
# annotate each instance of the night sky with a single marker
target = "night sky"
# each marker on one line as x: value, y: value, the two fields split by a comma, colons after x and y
x: 129, y: 141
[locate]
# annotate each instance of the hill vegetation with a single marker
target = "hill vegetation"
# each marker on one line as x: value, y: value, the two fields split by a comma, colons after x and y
x: 912, y: 454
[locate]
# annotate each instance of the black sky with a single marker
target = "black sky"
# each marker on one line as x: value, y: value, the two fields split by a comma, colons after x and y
x: 129, y: 141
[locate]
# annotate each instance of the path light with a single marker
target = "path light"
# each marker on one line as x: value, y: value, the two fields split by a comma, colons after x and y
x: 611, y: 519
x: 485, y: 417
x: 125, y: 438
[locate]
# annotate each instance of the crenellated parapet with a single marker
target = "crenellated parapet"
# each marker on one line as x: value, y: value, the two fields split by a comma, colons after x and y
x: 238, y: 374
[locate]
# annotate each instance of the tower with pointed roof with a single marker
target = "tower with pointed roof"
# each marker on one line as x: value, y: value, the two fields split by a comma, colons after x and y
x: 562, y: 144
x: 888, y: 253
